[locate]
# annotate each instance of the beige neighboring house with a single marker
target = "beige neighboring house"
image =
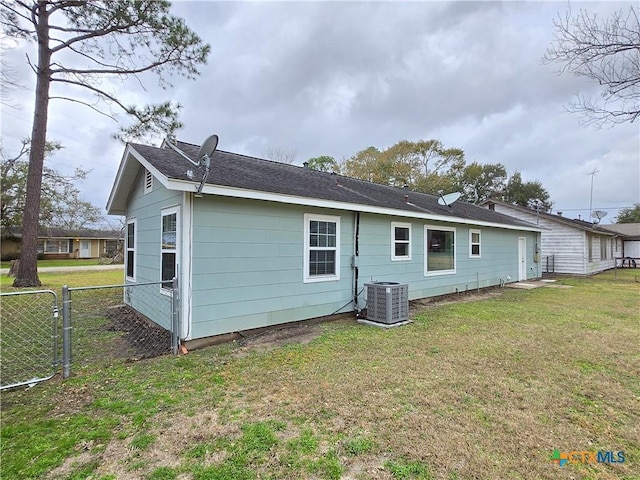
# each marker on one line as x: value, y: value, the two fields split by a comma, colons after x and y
x: 58, y: 243
x: 567, y: 246
x: 627, y: 241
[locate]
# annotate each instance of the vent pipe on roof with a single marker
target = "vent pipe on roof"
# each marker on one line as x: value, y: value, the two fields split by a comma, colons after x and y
x: 306, y: 165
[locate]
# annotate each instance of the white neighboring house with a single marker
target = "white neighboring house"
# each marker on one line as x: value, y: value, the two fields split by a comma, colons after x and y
x: 627, y: 242
x: 567, y: 246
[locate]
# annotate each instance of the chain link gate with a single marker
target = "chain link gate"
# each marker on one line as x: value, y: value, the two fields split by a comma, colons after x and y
x: 127, y: 322
x: 28, y: 337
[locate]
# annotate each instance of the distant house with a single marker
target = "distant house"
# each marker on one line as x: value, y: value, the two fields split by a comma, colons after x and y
x: 627, y: 242
x: 568, y: 246
x: 258, y: 243
x: 57, y: 243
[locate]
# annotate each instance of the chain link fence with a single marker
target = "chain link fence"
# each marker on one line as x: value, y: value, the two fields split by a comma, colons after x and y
x: 28, y: 337
x: 100, y: 325
x: 114, y: 322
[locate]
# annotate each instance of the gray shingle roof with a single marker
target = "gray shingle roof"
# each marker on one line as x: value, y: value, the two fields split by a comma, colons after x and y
x: 573, y: 222
x: 241, y: 171
x: 631, y: 231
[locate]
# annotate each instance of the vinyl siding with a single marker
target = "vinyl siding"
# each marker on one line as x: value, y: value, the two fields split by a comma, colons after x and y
x: 568, y: 245
x: 247, y: 268
x: 498, y: 260
x: 145, y: 208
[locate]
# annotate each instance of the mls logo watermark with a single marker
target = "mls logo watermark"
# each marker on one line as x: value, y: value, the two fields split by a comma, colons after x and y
x: 583, y: 456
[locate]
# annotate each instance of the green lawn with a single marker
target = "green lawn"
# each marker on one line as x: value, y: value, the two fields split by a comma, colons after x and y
x: 67, y: 262
x: 55, y: 280
x: 480, y: 389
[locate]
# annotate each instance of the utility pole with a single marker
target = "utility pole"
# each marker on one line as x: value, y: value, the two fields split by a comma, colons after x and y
x: 593, y: 174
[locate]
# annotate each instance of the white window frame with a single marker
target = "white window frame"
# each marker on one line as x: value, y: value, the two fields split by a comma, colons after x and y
x: 394, y: 257
x: 166, y: 289
x: 472, y: 243
x: 128, y: 248
x: 452, y: 271
x: 308, y: 218
x: 148, y: 181
x: 59, y: 242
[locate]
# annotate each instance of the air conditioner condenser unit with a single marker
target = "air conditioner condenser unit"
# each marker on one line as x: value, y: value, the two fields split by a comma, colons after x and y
x: 387, y: 302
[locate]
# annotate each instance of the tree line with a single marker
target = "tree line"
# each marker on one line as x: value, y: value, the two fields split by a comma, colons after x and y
x: 427, y: 166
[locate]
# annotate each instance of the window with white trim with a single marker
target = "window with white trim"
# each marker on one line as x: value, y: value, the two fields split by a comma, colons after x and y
x: 400, y: 241
x: 321, y: 248
x: 474, y: 243
x: 56, y: 246
x: 439, y: 250
x: 169, y: 245
x: 148, y: 181
x: 130, y: 248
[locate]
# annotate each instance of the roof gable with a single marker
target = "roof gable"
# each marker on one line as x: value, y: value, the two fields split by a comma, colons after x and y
x: 238, y: 175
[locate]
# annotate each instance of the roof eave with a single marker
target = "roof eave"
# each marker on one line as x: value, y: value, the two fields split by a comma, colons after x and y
x: 234, y: 192
x: 126, y: 177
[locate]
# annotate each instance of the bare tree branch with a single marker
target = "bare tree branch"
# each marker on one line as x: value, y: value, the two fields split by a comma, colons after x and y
x: 74, y: 100
x: 606, y: 51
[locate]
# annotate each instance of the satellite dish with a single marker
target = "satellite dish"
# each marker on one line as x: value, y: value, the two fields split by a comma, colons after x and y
x: 204, y: 158
x: 208, y: 147
x: 599, y: 215
x: 449, y: 198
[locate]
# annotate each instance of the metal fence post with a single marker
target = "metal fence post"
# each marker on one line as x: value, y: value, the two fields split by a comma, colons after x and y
x: 66, y: 332
x: 175, y: 320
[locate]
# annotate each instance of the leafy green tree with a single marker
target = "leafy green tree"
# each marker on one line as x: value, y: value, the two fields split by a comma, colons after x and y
x: 365, y: 166
x: 80, y: 44
x: 629, y: 215
x: 60, y: 204
x: 425, y: 166
x: 527, y: 194
x: 478, y: 182
x: 323, y: 163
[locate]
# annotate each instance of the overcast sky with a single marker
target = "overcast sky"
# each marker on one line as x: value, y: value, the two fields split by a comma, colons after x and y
x: 333, y: 78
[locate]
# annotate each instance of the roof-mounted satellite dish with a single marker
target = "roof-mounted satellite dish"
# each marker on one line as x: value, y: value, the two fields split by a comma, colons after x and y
x: 448, y: 199
x: 598, y: 215
x: 204, y: 158
x: 208, y: 147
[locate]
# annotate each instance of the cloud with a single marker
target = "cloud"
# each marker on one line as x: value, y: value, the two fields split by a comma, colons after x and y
x: 336, y: 77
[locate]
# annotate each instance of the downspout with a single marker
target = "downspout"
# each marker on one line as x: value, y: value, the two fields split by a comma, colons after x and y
x: 354, y: 261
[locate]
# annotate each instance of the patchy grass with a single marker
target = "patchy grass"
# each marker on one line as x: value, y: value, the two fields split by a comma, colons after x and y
x: 484, y: 389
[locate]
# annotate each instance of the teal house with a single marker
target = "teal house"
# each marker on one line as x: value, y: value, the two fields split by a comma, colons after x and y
x: 256, y: 243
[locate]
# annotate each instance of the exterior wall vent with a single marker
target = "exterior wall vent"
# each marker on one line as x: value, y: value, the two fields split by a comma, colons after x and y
x: 148, y: 181
x: 387, y: 302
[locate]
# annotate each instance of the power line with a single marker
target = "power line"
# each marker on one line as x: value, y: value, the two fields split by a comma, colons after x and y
x: 597, y: 208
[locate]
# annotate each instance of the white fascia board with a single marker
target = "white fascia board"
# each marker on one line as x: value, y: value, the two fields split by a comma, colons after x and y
x: 125, y: 165
x: 117, y: 181
x: 154, y: 171
x: 315, y: 202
